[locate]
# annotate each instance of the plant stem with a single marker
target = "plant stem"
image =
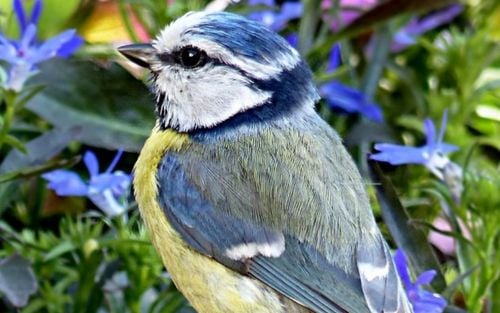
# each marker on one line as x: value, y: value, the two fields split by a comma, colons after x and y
x: 382, y: 42
x: 308, y: 25
x: 10, y: 106
x: 127, y: 21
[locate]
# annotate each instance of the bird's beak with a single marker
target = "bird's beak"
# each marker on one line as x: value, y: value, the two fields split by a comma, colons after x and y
x: 141, y: 54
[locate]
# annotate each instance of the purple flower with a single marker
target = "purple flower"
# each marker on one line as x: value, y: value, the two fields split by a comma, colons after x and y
x: 276, y: 20
x: 432, y: 155
x: 423, y: 301
x: 24, y: 54
x: 407, y: 35
x: 293, y: 39
x: 350, y: 10
x: 339, y: 96
x: 108, y: 190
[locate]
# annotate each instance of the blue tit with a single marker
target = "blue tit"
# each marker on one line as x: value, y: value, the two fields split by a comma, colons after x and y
x: 250, y: 198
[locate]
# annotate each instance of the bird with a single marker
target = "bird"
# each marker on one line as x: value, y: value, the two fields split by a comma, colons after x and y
x: 249, y: 196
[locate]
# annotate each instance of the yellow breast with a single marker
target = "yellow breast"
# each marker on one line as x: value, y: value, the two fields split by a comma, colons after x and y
x: 208, y: 285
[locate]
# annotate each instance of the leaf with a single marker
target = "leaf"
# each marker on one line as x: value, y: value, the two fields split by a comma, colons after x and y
x: 28, y: 93
x: 17, y: 280
x: 39, y: 150
x: 368, y: 131
x: 455, y: 284
x: 60, y: 249
x: 39, y: 169
x: 113, y: 109
x: 407, y: 237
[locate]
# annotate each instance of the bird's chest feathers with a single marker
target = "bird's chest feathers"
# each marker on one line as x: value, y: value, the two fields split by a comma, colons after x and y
x: 208, y: 285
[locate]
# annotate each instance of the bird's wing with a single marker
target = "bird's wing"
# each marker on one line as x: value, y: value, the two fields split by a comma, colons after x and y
x: 281, y: 261
x: 221, y: 203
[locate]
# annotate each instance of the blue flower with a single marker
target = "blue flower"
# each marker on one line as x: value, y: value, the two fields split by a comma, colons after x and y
x: 407, y: 35
x: 276, y: 20
x: 339, y: 96
x: 432, y: 155
x: 423, y: 301
x: 108, y: 190
x: 23, y: 55
x: 293, y: 39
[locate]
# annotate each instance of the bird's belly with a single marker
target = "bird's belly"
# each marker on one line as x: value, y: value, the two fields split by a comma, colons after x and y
x: 208, y: 285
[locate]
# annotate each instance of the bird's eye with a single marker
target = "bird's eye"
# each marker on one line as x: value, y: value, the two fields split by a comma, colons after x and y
x: 192, y: 57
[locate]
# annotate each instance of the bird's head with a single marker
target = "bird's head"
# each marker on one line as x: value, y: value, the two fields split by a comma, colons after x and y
x: 209, y: 67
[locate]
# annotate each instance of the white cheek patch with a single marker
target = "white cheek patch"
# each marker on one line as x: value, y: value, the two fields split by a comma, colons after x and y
x: 249, y: 250
x: 206, y: 97
x: 370, y: 271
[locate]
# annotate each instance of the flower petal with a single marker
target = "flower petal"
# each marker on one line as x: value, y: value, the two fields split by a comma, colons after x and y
x: 428, y: 302
x: 70, y: 47
x: 444, y: 121
x: 436, y: 19
x: 21, y: 17
x: 446, y: 148
x: 263, y: 2
x: 8, y: 52
x: 397, y: 155
x: 334, y: 59
x: 293, y: 39
x: 425, y: 278
x: 402, y: 268
x: 350, y: 100
x: 35, y: 12
x: 117, y: 157
x: 50, y: 47
x: 289, y: 11
x: 66, y: 183
x: 105, y: 181
x: 430, y: 133
x: 107, y: 202
x: 91, y: 163
x: 18, y: 75
x: 27, y: 39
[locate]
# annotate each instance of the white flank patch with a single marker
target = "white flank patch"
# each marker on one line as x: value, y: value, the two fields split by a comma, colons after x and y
x: 249, y: 250
x: 371, y: 272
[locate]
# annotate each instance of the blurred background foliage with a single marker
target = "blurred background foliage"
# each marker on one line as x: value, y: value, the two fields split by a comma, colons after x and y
x: 382, y: 68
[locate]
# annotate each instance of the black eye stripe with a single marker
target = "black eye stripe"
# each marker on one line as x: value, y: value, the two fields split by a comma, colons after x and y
x: 187, y: 56
x: 167, y: 58
x: 174, y: 58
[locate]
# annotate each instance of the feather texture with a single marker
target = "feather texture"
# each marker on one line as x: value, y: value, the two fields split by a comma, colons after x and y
x: 277, y: 181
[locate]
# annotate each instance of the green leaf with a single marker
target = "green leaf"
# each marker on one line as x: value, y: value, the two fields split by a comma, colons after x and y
x: 113, y: 109
x: 89, y: 295
x: 39, y: 150
x: 28, y: 93
x: 408, y: 237
x: 17, y: 280
x: 60, y: 249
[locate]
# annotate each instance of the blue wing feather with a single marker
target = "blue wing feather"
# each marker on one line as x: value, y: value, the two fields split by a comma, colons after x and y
x: 301, y: 273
